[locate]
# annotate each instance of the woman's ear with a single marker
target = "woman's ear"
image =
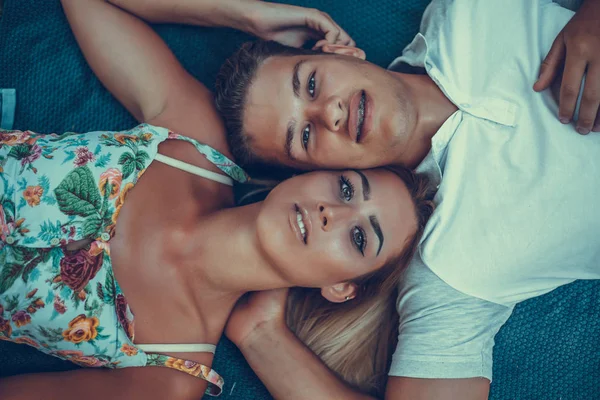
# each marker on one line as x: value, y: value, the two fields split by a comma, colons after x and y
x: 340, y: 292
x: 342, y: 50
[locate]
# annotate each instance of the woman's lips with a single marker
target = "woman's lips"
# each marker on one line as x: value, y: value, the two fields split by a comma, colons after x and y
x: 300, y: 223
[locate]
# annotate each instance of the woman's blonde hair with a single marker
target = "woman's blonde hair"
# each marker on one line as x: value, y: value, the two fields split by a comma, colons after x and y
x: 356, y: 339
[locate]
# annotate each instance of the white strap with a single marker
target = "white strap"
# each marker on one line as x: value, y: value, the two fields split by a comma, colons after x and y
x: 177, y: 348
x: 192, y: 169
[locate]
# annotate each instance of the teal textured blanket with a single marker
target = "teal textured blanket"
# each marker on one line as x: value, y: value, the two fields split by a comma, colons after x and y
x: 550, y: 347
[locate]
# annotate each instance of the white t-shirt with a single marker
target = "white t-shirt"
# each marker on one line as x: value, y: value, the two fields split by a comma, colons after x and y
x: 516, y: 212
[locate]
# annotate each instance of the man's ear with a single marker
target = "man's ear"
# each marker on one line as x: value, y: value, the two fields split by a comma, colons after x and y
x: 343, y: 50
x: 340, y: 292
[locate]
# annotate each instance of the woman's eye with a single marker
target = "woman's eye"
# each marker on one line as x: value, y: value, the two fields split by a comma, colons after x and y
x: 311, y: 85
x: 358, y: 239
x: 346, y: 189
x: 305, y: 137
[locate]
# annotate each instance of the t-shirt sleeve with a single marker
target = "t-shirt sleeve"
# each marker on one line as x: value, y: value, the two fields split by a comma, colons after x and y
x: 443, y: 332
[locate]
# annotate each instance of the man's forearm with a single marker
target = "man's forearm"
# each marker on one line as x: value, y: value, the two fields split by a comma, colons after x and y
x: 215, y: 13
x: 291, y: 371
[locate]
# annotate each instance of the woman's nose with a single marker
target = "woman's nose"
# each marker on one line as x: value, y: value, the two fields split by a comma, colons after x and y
x: 330, y: 215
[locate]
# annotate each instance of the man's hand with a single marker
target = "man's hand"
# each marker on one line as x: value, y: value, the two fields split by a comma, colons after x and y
x: 293, y: 26
x: 255, y: 312
x: 577, y: 49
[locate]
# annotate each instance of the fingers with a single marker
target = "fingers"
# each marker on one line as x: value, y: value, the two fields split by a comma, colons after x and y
x: 590, y: 101
x: 571, y: 83
x: 551, y: 64
x: 320, y: 44
x: 332, y: 32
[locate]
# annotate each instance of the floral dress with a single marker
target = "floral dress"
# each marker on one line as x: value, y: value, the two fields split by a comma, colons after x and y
x: 57, y: 189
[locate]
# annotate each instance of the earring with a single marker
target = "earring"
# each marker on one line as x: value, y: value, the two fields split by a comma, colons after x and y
x: 347, y: 298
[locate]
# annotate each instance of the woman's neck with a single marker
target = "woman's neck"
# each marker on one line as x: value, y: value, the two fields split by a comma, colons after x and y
x: 222, y: 254
x: 220, y: 260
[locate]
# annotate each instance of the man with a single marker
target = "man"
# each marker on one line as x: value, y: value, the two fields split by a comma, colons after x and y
x: 513, y: 218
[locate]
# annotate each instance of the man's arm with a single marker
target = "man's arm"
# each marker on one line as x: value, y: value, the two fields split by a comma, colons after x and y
x: 291, y: 371
x: 576, y: 51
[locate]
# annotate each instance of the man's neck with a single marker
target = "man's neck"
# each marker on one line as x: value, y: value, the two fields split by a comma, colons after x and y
x: 431, y: 108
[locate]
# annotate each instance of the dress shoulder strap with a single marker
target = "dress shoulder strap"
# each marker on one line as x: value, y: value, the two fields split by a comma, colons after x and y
x: 178, y: 348
x: 222, y: 162
x: 215, y: 381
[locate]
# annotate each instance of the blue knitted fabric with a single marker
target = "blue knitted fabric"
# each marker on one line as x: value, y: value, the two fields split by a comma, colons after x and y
x: 550, y: 347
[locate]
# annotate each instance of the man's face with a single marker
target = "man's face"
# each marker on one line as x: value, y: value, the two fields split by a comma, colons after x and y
x: 327, y: 111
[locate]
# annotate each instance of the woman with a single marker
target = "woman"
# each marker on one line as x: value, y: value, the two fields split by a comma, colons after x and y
x: 93, y: 229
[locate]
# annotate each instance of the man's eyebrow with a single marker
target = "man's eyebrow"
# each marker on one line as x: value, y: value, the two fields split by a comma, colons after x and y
x: 366, y: 187
x: 378, y: 232
x: 289, y: 139
x: 295, y: 79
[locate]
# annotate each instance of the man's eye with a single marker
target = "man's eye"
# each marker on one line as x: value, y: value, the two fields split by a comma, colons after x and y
x: 305, y: 137
x: 346, y: 189
x: 358, y: 239
x: 311, y: 85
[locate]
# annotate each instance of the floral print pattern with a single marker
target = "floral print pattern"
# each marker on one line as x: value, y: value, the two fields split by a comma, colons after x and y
x: 81, y: 329
x: 60, y: 189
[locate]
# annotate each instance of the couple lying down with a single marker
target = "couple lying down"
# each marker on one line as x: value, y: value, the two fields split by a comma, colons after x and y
x: 344, y: 238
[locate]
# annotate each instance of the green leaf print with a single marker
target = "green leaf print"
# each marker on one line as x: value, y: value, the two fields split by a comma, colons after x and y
x: 53, y: 335
x: 12, y: 303
x: 8, y: 276
x: 91, y: 226
x: 100, y: 292
x: 109, y: 289
x: 140, y: 160
x: 129, y: 163
x: 3, y: 255
x: 34, y: 256
x: 126, y: 158
x: 103, y: 160
x: 128, y: 169
x: 20, y: 151
x: 9, y: 207
x: 28, y: 269
x: 91, y: 305
x: 78, y: 193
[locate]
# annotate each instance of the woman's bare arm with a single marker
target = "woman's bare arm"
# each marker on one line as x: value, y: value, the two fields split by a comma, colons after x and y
x: 215, y: 13
x: 146, y: 383
x: 287, y: 24
x: 138, y: 68
x: 132, y: 61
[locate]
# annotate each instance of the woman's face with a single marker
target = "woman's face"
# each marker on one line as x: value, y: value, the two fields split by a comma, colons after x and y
x: 323, y: 228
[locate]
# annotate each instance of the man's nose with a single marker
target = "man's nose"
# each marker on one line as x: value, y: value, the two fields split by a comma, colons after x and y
x: 331, y: 113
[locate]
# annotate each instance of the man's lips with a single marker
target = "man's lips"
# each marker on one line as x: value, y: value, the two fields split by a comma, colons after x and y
x: 354, y: 118
x: 367, y: 118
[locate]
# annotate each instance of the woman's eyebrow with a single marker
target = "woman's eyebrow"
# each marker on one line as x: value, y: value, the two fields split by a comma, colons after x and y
x: 366, y: 187
x: 378, y: 231
x: 366, y: 190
